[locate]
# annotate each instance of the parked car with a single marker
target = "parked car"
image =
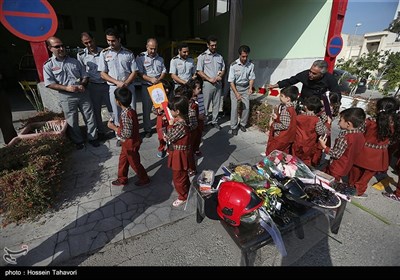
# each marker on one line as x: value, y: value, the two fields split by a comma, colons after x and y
x: 170, y: 49
x: 362, y: 86
x: 345, y: 79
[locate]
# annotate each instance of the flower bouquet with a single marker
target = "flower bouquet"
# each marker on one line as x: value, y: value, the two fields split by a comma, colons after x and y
x: 282, y: 165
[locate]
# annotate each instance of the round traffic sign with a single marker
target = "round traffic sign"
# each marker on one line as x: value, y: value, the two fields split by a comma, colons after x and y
x: 31, y: 20
x: 335, y: 45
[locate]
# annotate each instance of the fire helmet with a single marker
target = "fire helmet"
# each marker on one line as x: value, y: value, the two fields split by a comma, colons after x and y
x: 236, y: 199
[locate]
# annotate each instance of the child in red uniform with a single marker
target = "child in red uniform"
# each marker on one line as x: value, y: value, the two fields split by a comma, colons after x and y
x: 196, y: 85
x: 178, y: 139
x: 348, y: 144
x: 308, y: 128
x: 318, y: 159
x: 185, y: 90
x: 161, y: 121
x: 374, y: 156
x: 283, y: 122
x: 128, y: 131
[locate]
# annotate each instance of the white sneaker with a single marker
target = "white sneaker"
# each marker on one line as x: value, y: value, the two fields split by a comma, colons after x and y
x: 263, y: 154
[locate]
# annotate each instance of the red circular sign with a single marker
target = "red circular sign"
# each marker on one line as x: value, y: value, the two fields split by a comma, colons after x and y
x: 30, y: 20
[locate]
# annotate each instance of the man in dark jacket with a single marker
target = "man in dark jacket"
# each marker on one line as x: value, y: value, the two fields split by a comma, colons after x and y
x: 316, y: 81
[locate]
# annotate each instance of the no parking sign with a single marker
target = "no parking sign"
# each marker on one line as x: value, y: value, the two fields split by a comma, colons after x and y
x: 30, y: 20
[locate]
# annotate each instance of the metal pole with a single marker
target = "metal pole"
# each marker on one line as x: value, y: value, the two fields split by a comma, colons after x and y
x: 352, y: 41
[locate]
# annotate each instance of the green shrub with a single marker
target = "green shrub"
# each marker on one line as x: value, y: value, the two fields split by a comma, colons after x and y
x: 30, y: 181
x: 260, y: 114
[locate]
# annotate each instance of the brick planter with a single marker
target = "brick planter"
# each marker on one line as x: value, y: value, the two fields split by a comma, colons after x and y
x: 36, y: 129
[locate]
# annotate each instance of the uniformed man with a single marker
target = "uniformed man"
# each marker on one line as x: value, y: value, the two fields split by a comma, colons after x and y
x: 151, y: 70
x: 241, y: 78
x: 118, y: 67
x: 98, y: 88
x: 66, y: 75
x: 182, y: 67
x: 211, y: 68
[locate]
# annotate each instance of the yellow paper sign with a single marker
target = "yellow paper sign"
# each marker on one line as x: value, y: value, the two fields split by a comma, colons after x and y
x: 157, y: 95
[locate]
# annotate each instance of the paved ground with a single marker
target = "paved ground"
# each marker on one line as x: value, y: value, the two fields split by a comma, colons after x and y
x: 100, y: 225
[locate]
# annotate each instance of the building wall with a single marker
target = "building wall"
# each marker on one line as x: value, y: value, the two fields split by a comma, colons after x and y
x: 181, y: 22
x: 285, y: 36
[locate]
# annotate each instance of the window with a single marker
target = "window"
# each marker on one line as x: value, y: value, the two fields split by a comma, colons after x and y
x: 222, y: 7
x: 204, y: 14
x: 92, y: 24
x: 138, y: 25
x: 122, y: 26
x: 64, y: 22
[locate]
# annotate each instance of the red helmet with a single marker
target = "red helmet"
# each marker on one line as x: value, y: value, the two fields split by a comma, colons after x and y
x: 236, y: 199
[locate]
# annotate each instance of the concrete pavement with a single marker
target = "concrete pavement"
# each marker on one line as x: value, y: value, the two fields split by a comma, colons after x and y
x: 97, y: 224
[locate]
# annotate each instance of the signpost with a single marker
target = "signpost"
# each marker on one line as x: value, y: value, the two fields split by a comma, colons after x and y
x: 335, y: 45
x: 33, y: 21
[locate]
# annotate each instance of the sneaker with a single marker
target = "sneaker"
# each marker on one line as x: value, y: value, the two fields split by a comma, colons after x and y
x: 192, y: 173
x: 217, y: 126
x: 80, y: 146
x: 364, y: 195
x: 162, y: 154
x: 118, y: 183
x: 198, y: 153
x: 242, y: 128
x: 142, y: 183
x: 95, y: 143
x: 148, y: 134
x: 178, y: 202
x: 263, y: 154
x: 118, y: 143
x: 391, y: 196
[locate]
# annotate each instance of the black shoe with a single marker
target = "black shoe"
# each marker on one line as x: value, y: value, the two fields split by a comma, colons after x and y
x: 95, y: 143
x: 217, y: 126
x: 148, y: 134
x: 242, y: 128
x: 80, y: 146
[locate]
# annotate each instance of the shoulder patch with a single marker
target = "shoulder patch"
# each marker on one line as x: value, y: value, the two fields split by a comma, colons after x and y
x: 142, y: 54
x: 81, y: 52
x: 203, y: 53
x: 233, y: 63
x: 106, y: 49
x: 47, y: 61
x: 175, y: 57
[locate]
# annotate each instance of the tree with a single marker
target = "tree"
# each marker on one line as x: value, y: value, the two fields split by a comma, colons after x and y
x: 392, y: 72
x: 363, y: 66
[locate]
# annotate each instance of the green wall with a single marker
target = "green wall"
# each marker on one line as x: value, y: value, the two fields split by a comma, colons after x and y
x: 286, y: 29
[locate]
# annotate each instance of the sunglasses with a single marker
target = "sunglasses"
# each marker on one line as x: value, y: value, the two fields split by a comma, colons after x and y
x: 57, y: 46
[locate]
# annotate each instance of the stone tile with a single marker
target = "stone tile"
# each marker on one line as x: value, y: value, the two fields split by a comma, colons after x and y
x: 81, y: 229
x: 133, y: 229
x: 100, y: 241
x: 120, y: 207
x: 94, y: 216
x: 115, y: 235
x: 61, y: 253
x: 62, y: 236
x: 107, y: 224
x: 81, y: 243
x: 40, y: 252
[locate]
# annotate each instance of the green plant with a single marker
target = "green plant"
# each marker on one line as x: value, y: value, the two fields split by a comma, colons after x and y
x: 31, y: 92
x: 29, y: 183
x: 260, y: 114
